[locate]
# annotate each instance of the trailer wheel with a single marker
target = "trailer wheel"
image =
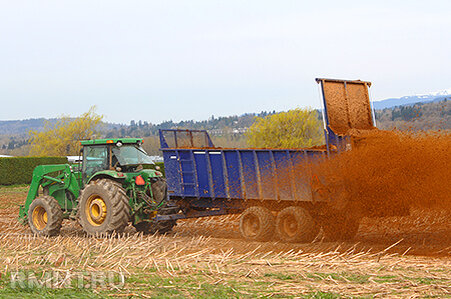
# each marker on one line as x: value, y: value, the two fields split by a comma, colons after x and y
x: 45, y: 216
x: 257, y: 224
x: 103, y: 207
x: 340, y: 227
x: 295, y: 224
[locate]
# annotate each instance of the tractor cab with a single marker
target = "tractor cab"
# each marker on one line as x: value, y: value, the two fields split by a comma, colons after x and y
x: 120, y: 155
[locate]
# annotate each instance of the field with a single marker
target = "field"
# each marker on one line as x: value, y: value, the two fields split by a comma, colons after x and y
x: 393, y: 257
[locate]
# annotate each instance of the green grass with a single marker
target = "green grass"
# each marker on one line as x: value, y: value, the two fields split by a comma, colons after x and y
x: 15, y: 189
x: 322, y: 295
x: 7, y: 290
x: 428, y: 280
x: 155, y: 286
x: 342, y: 277
x: 149, y: 284
x: 386, y: 278
x: 48, y: 293
x: 280, y: 276
x: 326, y: 295
x: 194, y: 285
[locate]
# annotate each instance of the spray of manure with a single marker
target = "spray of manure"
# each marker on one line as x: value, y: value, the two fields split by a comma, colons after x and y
x: 388, y: 173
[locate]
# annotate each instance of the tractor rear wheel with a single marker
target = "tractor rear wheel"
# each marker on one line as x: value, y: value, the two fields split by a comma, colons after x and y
x: 295, y: 224
x: 45, y: 216
x: 257, y: 224
x: 103, y: 207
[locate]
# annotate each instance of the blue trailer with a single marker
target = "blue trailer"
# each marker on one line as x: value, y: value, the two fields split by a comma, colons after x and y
x: 273, y: 189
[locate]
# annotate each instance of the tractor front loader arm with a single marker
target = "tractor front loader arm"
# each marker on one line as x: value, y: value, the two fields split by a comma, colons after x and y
x: 41, y: 177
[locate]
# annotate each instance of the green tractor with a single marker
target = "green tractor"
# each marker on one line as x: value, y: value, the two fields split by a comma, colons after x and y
x: 106, y: 191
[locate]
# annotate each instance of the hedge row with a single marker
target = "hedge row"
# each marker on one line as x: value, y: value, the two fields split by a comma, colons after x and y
x: 19, y: 170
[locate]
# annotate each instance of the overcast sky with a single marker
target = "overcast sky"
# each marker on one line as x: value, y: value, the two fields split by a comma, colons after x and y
x: 180, y: 60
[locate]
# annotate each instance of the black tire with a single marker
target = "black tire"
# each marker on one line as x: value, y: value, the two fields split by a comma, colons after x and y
x: 143, y: 227
x: 257, y: 224
x: 103, y: 207
x: 165, y: 227
x: 340, y: 227
x: 161, y: 227
x: 295, y: 224
x: 45, y: 216
x: 159, y: 189
x: 169, y: 208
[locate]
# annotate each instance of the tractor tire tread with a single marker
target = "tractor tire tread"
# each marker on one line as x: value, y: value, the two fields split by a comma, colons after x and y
x: 120, y: 208
x: 54, y: 214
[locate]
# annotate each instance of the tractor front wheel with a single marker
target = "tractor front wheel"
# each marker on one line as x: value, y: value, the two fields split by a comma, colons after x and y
x: 103, y: 207
x: 45, y: 216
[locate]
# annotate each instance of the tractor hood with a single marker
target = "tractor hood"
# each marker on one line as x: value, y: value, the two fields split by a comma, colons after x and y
x: 127, y: 176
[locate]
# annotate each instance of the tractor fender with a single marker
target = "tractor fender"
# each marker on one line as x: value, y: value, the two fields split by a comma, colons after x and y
x: 108, y: 174
x: 152, y: 173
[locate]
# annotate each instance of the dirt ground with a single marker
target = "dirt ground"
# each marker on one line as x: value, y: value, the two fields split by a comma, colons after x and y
x: 391, y: 257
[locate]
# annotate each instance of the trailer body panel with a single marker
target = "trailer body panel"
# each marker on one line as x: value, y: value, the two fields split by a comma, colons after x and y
x: 246, y: 174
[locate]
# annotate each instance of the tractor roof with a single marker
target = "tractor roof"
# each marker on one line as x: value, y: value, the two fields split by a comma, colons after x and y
x: 112, y: 141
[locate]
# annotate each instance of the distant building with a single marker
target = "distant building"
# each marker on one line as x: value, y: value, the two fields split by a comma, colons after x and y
x: 157, y: 159
x: 5, y: 156
x: 74, y: 159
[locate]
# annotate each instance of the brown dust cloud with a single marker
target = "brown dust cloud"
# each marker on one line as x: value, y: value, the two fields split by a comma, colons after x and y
x: 390, y: 172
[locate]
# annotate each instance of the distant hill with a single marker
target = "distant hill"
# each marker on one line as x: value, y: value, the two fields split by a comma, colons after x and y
x: 138, y: 128
x: 433, y: 115
x: 21, y: 127
x: 216, y: 125
x: 422, y: 112
x: 410, y: 100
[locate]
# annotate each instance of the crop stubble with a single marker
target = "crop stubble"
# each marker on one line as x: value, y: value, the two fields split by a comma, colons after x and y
x: 385, y: 259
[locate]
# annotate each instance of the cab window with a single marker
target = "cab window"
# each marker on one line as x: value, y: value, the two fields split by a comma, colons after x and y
x: 95, y: 158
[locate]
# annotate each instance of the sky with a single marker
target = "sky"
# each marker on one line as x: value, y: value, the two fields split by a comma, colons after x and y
x: 182, y: 60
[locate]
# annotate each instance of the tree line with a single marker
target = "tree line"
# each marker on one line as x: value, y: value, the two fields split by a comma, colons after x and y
x: 294, y: 128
